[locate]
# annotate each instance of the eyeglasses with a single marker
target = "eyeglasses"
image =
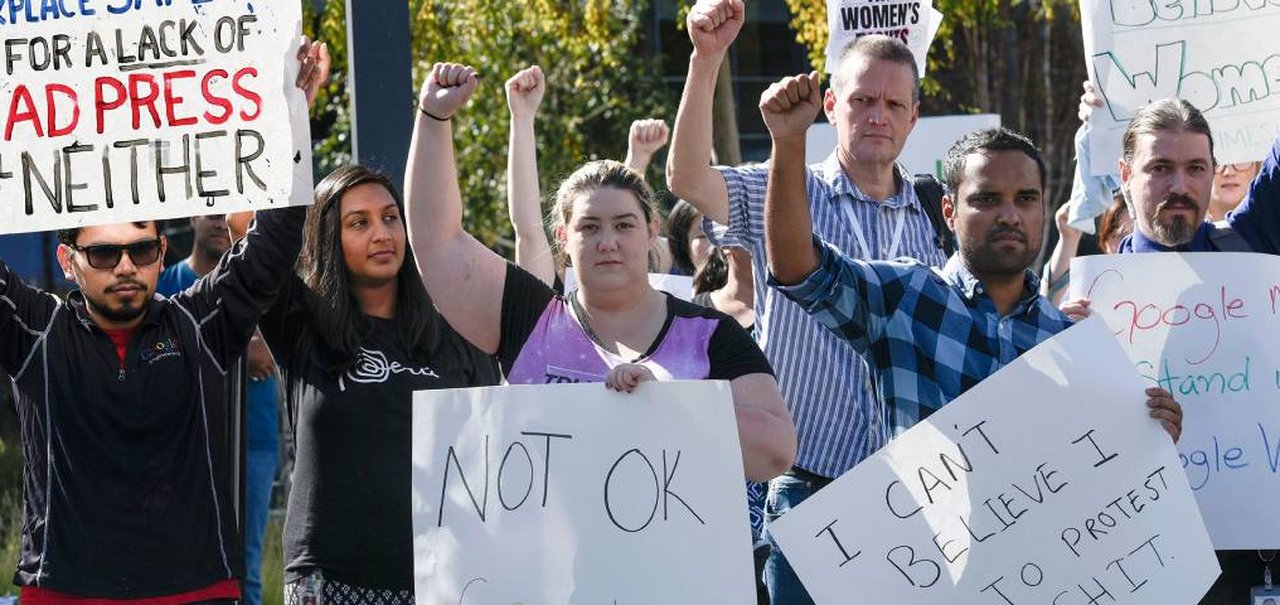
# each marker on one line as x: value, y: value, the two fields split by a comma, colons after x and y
x: 107, y: 256
x: 1238, y: 167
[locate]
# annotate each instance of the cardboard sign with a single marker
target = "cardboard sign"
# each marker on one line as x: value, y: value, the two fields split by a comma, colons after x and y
x: 1047, y: 482
x: 1205, y: 327
x: 576, y: 494
x: 114, y: 111
x: 914, y: 22
x: 1220, y: 56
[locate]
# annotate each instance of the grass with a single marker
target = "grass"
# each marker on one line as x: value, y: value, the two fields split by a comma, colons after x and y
x: 273, y: 562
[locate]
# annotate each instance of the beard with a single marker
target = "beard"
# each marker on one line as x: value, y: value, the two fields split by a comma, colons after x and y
x: 983, y: 258
x: 121, y: 313
x: 1177, y: 230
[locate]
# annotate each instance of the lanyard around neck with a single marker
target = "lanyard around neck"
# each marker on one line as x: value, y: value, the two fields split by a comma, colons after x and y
x: 856, y: 226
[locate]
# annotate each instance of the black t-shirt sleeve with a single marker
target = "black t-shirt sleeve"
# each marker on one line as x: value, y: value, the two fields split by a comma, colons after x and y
x: 524, y: 298
x: 281, y: 324
x: 733, y: 353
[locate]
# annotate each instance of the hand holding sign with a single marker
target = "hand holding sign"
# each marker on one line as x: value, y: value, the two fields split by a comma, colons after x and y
x: 1166, y: 410
x: 525, y: 91
x: 448, y: 87
x: 313, y: 68
x: 790, y: 105
x: 714, y: 24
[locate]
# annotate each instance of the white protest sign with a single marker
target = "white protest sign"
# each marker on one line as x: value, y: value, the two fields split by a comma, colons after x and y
x: 928, y: 144
x: 914, y: 22
x: 1205, y: 327
x: 679, y: 286
x: 1046, y: 482
x: 125, y: 111
x: 576, y: 494
x: 1221, y: 56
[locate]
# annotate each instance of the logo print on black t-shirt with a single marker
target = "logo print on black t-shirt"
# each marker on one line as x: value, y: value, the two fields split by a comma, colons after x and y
x: 372, y: 367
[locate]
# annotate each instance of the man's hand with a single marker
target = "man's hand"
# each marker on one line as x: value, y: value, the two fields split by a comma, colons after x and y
x: 1089, y: 100
x: 1166, y: 410
x: 714, y: 24
x: 313, y: 69
x: 525, y: 91
x: 260, y: 364
x: 626, y: 377
x: 448, y: 87
x: 1077, y: 310
x: 790, y: 105
x: 646, y: 138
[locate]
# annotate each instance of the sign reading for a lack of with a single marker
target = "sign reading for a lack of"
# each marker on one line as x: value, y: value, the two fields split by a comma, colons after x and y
x: 1046, y: 483
x: 1205, y: 327
x: 575, y: 494
x: 115, y: 111
x: 1221, y: 56
x: 914, y: 22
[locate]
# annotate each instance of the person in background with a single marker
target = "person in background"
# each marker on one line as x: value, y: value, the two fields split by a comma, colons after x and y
x: 1113, y: 226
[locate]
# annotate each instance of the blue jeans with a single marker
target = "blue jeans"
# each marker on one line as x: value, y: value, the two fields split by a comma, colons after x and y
x: 786, y: 492
x: 260, y: 473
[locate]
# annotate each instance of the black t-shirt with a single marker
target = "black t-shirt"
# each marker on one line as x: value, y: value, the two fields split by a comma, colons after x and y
x: 542, y: 342
x: 349, y: 508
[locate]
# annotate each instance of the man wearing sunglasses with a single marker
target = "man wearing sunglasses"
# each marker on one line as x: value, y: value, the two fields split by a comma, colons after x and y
x: 119, y: 392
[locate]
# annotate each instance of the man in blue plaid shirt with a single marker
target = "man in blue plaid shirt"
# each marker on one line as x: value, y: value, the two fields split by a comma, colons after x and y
x: 928, y: 335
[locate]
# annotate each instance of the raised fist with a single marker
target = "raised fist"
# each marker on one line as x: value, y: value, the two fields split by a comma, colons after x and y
x: 448, y: 87
x: 647, y: 137
x: 790, y: 105
x: 525, y: 91
x: 714, y: 24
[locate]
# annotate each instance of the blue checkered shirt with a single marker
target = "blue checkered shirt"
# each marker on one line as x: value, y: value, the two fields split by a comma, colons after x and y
x: 825, y: 383
x: 930, y: 335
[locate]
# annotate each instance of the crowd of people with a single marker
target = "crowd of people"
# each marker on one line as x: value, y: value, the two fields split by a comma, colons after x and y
x: 843, y: 301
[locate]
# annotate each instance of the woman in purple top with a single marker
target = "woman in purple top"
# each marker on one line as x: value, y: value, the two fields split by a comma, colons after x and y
x: 616, y: 328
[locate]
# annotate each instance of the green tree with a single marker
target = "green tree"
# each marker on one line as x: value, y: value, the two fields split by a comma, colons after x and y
x: 598, y: 81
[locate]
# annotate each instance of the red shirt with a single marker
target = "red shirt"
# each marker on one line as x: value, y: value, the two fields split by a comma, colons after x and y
x: 120, y: 338
x: 225, y: 589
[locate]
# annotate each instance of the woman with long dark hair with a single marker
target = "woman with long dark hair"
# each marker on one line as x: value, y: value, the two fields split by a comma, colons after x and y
x: 355, y: 334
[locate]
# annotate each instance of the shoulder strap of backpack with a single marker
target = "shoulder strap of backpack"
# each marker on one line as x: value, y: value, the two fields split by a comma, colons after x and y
x: 929, y: 192
x: 1226, y: 239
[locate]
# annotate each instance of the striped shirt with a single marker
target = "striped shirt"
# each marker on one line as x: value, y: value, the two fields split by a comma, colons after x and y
x: 824, y: 381
x: 930, y: 335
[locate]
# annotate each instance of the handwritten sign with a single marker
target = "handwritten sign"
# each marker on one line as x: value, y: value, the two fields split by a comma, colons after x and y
x: 115, y: 111
x: 914, y: 22
x: 679, y: 286
x: 576, y: 494
x: 1220, y: 56
x: 1047, y: 482
x: 1205, y: 327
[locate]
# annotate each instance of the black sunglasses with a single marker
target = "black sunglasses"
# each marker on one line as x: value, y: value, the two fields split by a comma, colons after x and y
x: 107, y: 256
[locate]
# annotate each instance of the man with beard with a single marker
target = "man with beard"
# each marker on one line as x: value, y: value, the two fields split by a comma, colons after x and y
x: 126, y: 474
x: 928, y: 335
x: 1167, y: 171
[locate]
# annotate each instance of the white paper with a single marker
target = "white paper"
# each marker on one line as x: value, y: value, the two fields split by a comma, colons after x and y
x: 915, y: 22
x: 591, y: 496
x: 990, y: 500
x: 194, y: 100
x: 1221, y: 56
x: 1205, y: 327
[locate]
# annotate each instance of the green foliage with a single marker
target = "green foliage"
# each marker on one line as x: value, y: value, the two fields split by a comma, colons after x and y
x: 330, y: 116
x: 597, y: 83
